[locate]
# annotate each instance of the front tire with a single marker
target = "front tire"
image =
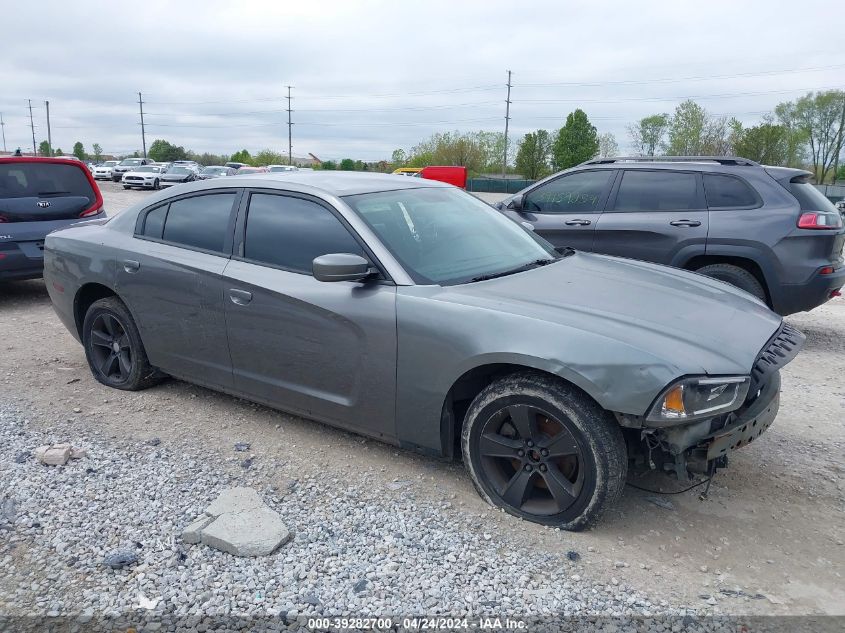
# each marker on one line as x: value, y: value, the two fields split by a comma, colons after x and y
x: 544, y: 451
x: 156, y: 185
x: 113, y: 347
x: 126, y: 187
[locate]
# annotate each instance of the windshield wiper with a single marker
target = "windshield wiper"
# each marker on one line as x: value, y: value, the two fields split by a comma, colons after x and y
x: 504, y: 273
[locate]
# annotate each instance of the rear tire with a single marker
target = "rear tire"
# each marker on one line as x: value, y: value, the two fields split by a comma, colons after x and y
x: 113, y: 347
x: 735, y: 276
x: 156, y: 185
x: 544, y: 451
x: 127, y: 187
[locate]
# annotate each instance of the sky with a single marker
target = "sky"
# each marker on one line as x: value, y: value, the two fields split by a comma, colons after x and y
x: 369, y: 77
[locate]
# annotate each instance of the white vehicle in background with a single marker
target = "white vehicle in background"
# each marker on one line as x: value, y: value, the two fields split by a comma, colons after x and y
x: 144, y: 177
x: 104, y: 171
x: 277, y: 168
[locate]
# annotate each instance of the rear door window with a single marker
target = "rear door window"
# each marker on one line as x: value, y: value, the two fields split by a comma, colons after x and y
x: 725, y: 192
x: 642, y: 190
x: 581, y: 192
x: 200, y: 222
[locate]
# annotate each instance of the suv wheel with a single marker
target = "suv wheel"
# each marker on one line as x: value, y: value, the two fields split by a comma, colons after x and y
x: 735, y: 276
x: 113, y: 347
x: 544, y: 451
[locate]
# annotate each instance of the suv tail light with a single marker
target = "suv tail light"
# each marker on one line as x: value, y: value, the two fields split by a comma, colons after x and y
x: 820, y: 220
x: 92, y: 211
x: 3, y: 218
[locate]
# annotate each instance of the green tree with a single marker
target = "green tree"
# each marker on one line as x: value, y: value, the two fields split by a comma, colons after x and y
x: 767, y: 143
x: 269, y: 157
x: 398, y: 158
x: 688, y: 130
x: 58, y: 152
x: 347, y: 164
x: 44, y: 148
x: 242, y: 156
x: 162, y: 151
x: 98, y: 152
x: 608, y: 147
x: 329, y: 165
x: 647, y: 134
x: 576, y: 142
x: 821, y: 117
x: 532, y: 157
x: 79, y: 150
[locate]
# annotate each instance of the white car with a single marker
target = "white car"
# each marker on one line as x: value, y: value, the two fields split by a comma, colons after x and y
x: 277, y: 168
x: 144, y: 177
x: 104, y: 171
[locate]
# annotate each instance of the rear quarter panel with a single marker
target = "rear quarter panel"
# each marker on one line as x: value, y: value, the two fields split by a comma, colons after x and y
x: 73, y: 257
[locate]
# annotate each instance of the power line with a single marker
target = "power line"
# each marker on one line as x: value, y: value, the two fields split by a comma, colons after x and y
x: 678, y: 79
x: 725, y: 95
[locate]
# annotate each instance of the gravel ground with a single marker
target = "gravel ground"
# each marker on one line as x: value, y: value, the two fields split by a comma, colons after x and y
x: 767, y: 540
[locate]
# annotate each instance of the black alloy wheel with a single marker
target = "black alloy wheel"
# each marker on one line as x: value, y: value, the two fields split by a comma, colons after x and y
x: 111, y: 349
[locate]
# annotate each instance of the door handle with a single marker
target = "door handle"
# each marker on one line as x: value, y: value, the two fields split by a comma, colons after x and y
x: 577, y: 222
x: 240, y: 297
x: 685, y: 223
x: 131, y: 266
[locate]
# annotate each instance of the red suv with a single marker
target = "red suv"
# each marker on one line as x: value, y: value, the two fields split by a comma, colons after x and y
x: 38, y: 195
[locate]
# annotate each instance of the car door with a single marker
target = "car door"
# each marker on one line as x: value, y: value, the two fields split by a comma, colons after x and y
x: 657, y: 215
x: 326, y: 350
x: 565, y: 210
x: 172, y: 282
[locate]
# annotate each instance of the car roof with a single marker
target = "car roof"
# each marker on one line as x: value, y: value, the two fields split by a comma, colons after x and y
x: 339, y: 183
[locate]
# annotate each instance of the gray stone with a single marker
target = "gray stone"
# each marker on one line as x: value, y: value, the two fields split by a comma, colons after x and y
x: 192, y: 533
x: 234, y: 500
x: 250, y: 532
x: 120, y: 559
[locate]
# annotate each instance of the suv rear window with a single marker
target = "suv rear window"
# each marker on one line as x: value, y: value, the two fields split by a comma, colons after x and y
x: 728, y: 192
x: 810, y: 198
x: 44, y: 180
x: 657, y: 191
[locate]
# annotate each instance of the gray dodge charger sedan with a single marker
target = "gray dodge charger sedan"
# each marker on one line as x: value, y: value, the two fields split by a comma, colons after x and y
x: 410, y: 311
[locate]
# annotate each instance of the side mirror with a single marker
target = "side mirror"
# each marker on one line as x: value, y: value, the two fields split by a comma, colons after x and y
x: 516, y: 202
x: 341, y: 267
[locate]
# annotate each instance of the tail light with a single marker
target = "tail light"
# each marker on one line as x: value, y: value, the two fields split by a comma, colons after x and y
x: 820, y: 220
x: 3, y: 218
x: 92, y: 211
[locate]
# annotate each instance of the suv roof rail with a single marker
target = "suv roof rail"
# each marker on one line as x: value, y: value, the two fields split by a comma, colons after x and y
x: 722, y: 160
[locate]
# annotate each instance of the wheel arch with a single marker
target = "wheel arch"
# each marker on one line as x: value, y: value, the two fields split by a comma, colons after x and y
x: 746, y: 263
x: 469, y: 384
x: 86, y: 295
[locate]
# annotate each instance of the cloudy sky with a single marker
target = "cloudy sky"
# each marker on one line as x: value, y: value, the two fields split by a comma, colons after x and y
x: 369, y: 77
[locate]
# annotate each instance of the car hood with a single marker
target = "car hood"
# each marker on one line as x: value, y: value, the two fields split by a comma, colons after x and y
x: 682, y: 320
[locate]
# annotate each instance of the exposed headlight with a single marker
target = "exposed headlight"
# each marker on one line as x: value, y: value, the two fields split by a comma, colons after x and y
x: 699, y: 397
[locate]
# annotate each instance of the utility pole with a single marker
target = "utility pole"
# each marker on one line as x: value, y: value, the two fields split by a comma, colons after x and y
x: 290, y: 137
x: 3, y: 128
x: 32, y: 126
x: 143, y: 133
x: 507, y: 120
x: 49, y: 136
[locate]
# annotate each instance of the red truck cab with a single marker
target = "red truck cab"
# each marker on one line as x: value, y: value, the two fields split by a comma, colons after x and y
x: 453, y: 175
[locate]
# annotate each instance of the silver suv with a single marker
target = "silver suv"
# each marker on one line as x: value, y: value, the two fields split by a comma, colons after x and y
x: 766, y: 230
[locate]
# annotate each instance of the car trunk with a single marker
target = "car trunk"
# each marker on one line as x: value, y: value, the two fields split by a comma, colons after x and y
x: 38, y: 191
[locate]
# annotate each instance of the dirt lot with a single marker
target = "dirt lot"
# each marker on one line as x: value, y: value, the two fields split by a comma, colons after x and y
x: 767, y: 540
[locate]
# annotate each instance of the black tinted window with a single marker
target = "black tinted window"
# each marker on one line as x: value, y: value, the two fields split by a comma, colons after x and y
x: 154, y: 222
x: 200, y: 222
x: 576, y: 193
x: 656, y: 191
x: 291, y: 232
x: 727, y: 191
x: 44, y: 180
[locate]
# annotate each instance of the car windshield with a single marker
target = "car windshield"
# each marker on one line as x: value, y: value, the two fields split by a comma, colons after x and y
x: 214, y: 170
x: 110, y: 163
x: 147, y: 168
x: 446, y: 236
x: 177, y: 170
x: 130, y: 162
x: 43, y: 180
